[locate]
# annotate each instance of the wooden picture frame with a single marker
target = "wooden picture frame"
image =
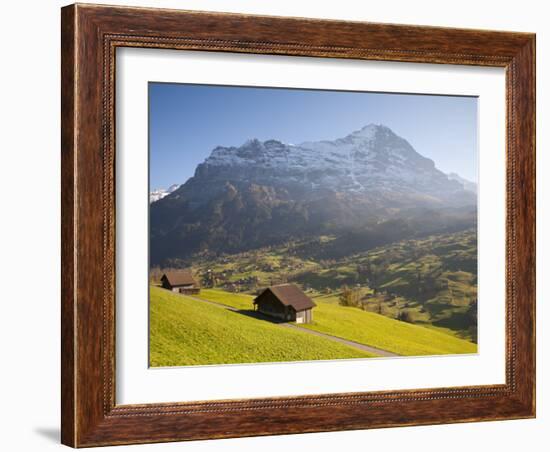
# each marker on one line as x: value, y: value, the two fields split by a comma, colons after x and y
x: 90, y: 36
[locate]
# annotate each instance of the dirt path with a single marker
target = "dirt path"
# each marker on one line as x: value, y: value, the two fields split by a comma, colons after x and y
x: 366, y: 348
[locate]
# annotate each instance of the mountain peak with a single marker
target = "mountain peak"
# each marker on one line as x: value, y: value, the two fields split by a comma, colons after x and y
x: 371, y: 159
x: 311, y: 188
x: 369, y: 131
x: 251, y: 142
x: 160, y: 193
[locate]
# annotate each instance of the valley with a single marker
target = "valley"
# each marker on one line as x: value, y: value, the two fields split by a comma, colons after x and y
x: 428, y: 281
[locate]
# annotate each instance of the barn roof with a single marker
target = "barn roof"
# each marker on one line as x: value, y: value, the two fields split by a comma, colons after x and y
x: 290, y: 295
x: 180, y: 277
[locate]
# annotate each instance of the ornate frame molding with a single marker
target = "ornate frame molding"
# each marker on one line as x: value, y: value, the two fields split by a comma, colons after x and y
x: 90, y: 36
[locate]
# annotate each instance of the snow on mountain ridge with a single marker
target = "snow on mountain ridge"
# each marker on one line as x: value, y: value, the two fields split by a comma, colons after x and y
x: 356, y: 145
x: 373, y: 157
x: 160, y: 193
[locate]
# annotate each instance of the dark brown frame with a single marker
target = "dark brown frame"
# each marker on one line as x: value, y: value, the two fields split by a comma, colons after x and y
x: 90, y: 35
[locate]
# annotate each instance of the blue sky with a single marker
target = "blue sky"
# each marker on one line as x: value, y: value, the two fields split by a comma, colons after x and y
x: 187, y: 121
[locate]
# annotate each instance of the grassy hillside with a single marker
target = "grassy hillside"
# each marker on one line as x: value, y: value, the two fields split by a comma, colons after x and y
x: 428, y: 281
x: 382, y: 332
x: 184, y: 331
x: 365, y: 327
x: 235, y: 300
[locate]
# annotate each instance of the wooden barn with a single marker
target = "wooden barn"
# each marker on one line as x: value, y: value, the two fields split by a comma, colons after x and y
x: 285, y: 302
x: 180, y: 281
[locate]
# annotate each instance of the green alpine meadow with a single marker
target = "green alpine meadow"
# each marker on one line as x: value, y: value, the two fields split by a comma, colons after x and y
x: 185, y: 331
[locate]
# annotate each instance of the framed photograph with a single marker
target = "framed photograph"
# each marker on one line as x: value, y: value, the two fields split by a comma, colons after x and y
x: 282, y: 225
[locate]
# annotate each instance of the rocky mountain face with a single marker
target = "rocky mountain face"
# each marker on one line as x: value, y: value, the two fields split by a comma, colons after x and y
x: 263, y: 193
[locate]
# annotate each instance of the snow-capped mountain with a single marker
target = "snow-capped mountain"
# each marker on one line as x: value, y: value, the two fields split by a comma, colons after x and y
x: 372, y: 159
x: 160, y: 193
x: 263, y: 193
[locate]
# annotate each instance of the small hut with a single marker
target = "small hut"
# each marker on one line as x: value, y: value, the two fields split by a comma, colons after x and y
x: 286, y: 302
x: 180, y: 281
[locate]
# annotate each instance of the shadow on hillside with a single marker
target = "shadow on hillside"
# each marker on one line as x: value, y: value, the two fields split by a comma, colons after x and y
x: 259, y: 316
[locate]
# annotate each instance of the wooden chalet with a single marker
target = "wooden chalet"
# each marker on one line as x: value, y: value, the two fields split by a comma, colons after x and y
x: 181, y: 281
x: 286, y: 302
